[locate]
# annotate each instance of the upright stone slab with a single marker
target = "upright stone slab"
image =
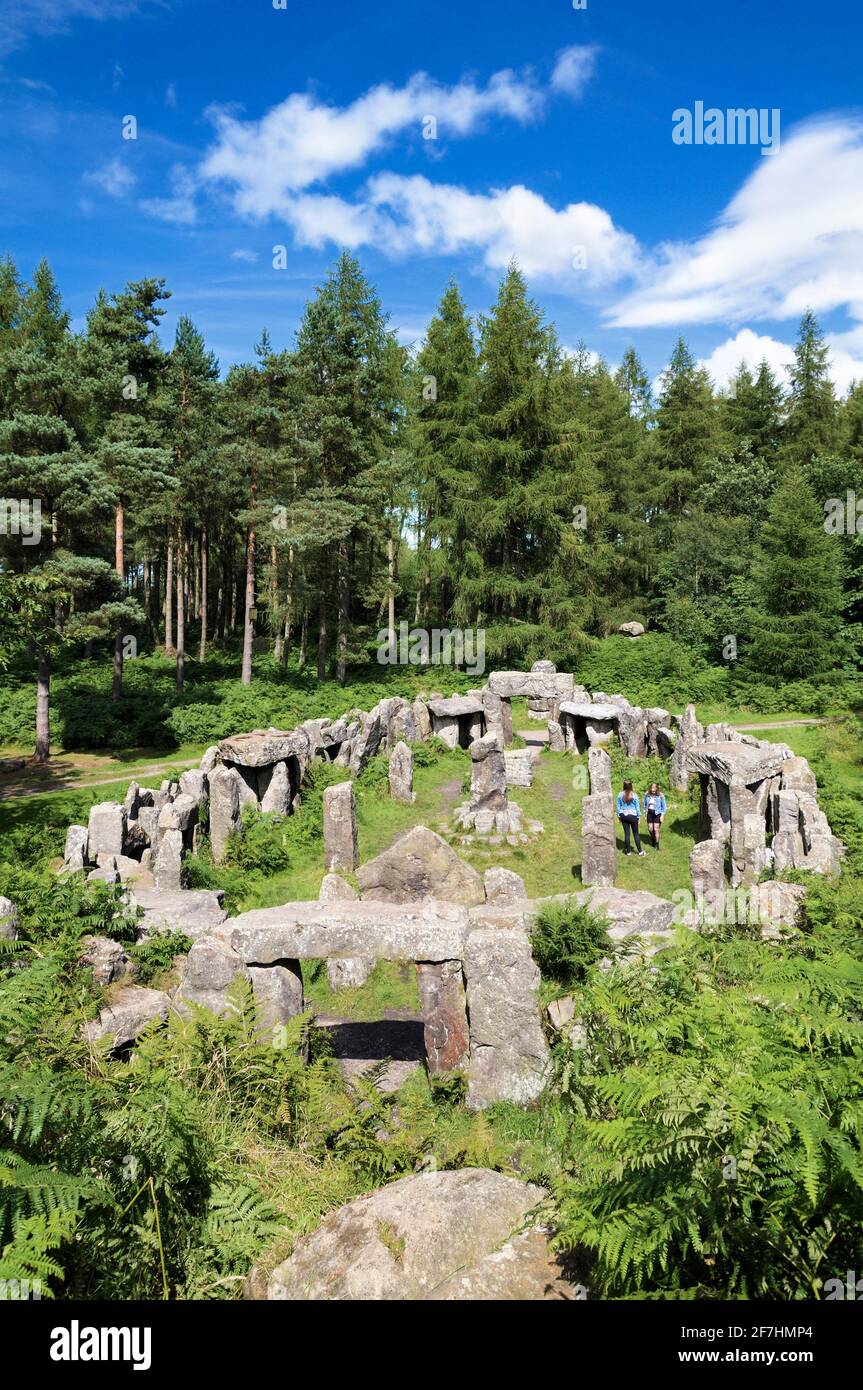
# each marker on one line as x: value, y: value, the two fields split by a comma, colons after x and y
x: 508, y: 1052
x: 689, y: 732
x: 8, y: 920
x: 75, y: 852
x: 274, y: 786
x: 340, y: 827
x: 401, y: 774
x: 168, y: 871
x: 598, y: 847
x: 488, y: 774
x: 707, y: 871
x: 106, y: 829
x: 278, y: 991
x: 519, y: 767
x: 224, y: 808
x: 503, y: 888
x: 556, y: 737
x: 599, y: 771
x: 420, y: 864
x: 347, y: 972
x: 422, y: 718
x: 631, y: 727
x: 442, y: 997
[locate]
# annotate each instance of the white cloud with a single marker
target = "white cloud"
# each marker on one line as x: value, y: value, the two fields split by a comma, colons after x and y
x: 114, y: 178
x: 574, y: 68
x: 249, y: 257
x: 753, y: 348
x: 21, y: 18
x: 302, y: 142
x: 171, y: 96
x: 791, y: 238
x: 180, y: 208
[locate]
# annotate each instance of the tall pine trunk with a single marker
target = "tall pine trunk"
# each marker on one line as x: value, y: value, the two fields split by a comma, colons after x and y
x: 205, y: 578
x: 169, y: 597
x: 344, y: 615
x: 322, y: 637
x: 248, y: 623
x: 275, y: 616
x: 43, y: 706
x: 182, y: 595
x: 119, y: 565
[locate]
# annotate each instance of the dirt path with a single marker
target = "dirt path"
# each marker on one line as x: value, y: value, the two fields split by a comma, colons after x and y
x: 779, y: 724
x: 15, y: 790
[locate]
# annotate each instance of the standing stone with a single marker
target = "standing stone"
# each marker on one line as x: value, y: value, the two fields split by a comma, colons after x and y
x: 442, y: 997
x: 689, y: 732
x: 598, y: 847
x: 798, y: 776
x: 224, y: 808
x: 132, y: 801
x: 631, y: 727
x: 348, y: 972
x: 488, y: 774
x: 75, y: 852
x: 194, y: 784
x: 519, y: 767
x: 556, y: 737
x: 401, y: 774
x: 274, y: 785
x: 209, y: 971
x: 422, y: 718
x: 210, y: 759
x: 278, y: 991
x: 503, y: 887
x: 446, y: 728
x: 8, y: 920
x: 366, y: 743
x: 340, y: 827
x: 508, y: 1052
x: 420, y: 864
x: 168, y: 869
x: 106, y: 829
x: 599, y: 771
x: 707, y: 870
x: 657, y: 719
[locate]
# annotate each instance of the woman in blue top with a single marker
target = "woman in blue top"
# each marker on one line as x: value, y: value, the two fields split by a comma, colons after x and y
x: 628, y: 813
x: 655, y: 806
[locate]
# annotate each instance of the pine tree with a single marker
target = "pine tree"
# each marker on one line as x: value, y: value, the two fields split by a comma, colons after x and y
x: 687, y: 428
x: 811, y: 425
x: 445, y: 435
x: 798, y: 588
x: 121, y: 363
x: 752, y: 410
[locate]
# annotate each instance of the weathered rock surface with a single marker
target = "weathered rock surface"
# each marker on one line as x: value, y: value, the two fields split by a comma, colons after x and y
x: 344, y: 973
x: 401, y: 773
x: 405, y: 1240
x: 75, y: 852
x: 420, y: 864
x: 209, y: 971
x: 724, y: 760
x: 278, y: 991
x: 106, y: 958
x: 599, y: 771
x: 340, y: 827
x: 519, y: 767
x: 225, y: 783
x: 688, y: 731
x: 429, y: 930
x: 503, y: 887
x: 523, y: 1269
x: 8, y: 920
x: 128, y: 1014
x: 195, y: 913
x: 707, y: 868
x: 598, y: 844
x: 509, y: 1055
x: 442, y: 996
x: 631, y: 629
x: 264, y: 747
x: 106, y: 829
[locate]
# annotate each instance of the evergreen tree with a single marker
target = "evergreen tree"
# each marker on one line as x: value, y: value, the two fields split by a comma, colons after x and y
x: 811, y: 424
x: 752, y: 410
x: 121, y: 363
x: 687, y: 429
x: 798, y: 588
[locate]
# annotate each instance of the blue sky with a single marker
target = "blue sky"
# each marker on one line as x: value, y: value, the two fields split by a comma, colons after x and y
x: 259, y: 127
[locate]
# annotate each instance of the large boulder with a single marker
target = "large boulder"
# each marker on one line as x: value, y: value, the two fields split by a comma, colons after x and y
x: 598, y: 841
x: 209, y: 971
x: 523, y: 1269
x: 503, y: 888
x: 420, y: 864
x: 106, y: 958
x: 194, y: 913
x: 407, y: 1239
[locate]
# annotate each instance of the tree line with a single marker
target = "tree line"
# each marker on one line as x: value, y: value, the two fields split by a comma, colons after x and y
x: 488, y: 479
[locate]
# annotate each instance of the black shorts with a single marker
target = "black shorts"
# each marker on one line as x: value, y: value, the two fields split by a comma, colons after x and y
x: 653, y: 817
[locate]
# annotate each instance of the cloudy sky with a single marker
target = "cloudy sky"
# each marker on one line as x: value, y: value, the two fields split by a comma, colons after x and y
x: 445, y: 136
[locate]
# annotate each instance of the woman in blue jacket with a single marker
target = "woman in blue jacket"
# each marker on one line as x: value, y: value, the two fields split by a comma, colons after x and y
x: 629, y: 813
x: 655, y: 806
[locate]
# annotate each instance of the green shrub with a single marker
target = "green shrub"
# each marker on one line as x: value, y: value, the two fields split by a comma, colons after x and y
x: 566, y: 940
x: 153, y: 957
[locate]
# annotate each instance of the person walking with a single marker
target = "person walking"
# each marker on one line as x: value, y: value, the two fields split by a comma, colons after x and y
x: 629, y: 814
x: 655, y: 805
